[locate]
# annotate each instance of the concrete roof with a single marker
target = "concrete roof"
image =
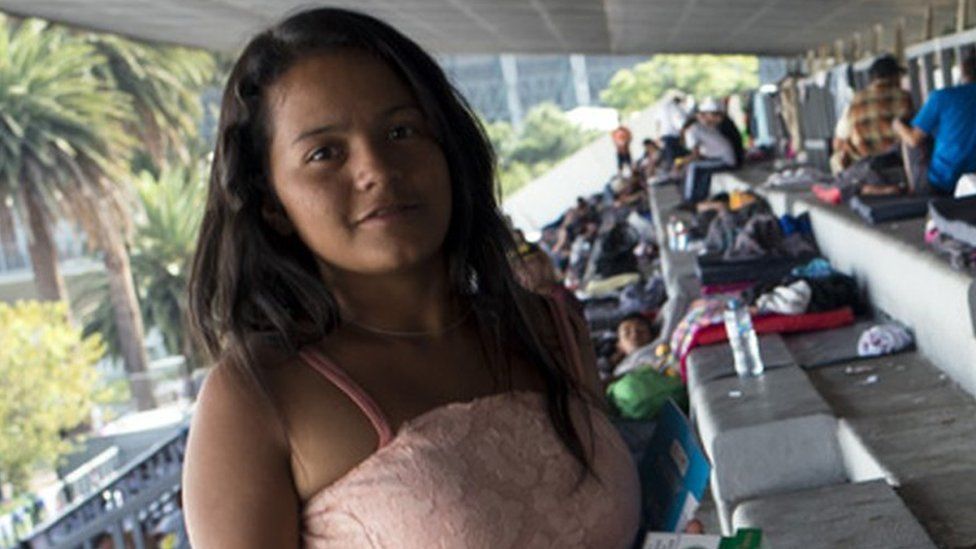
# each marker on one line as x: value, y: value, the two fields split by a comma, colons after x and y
x: 772, y: 27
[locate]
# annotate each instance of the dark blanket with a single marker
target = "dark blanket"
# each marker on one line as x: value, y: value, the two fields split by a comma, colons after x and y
x: 718, y: 270
x: 879, y: 209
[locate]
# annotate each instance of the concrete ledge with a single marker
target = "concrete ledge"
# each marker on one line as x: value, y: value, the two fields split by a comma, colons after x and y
x: 917, y: 444
x: 766, y: 435
x: 943, y: 504
x: 677, y: 268
x: 865, y: 515
x: 913, y: 286
x: 711, y: 362
x: 733, y: 403
x: 902, y: 276
x: 886, y: 385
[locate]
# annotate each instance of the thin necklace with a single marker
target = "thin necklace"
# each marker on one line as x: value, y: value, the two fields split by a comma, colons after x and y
x: 453, y: 326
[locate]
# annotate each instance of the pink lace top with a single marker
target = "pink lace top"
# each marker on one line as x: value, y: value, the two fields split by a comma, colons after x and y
x: 490, y: 472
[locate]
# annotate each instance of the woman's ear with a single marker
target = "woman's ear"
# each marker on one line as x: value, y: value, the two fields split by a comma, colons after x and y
x: 275, y: 216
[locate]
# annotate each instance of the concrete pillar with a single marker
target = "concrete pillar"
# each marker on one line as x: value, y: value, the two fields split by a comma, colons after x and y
x: 510, y: 76
x: 900, y: 41
x: 927, y: 18
x: 581, y: 81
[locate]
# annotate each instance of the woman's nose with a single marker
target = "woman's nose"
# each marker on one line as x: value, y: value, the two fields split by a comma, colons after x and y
x: 373, y: 164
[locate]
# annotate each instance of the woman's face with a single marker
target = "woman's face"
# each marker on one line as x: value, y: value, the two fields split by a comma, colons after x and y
x: 356, y: 165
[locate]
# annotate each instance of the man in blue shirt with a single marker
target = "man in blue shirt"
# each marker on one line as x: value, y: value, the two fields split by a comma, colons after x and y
x: 949, y: 117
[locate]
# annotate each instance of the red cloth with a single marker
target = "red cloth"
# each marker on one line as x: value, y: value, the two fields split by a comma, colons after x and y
x: 773, y: 324
x: 726, y: 288
x: 830, y: 195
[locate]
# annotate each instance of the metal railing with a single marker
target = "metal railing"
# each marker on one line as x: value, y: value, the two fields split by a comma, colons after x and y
x: 125, y: 508
x: 930, y: 63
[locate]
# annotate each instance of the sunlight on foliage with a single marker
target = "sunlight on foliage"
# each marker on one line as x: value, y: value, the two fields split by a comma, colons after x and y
x: 702, y: 76
x: 47, y: 385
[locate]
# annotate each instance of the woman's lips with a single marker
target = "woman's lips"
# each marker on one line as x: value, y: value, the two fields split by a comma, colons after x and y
x: 387, y: 214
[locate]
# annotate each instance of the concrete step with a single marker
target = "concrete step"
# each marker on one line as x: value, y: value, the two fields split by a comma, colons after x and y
x: 765, y: 435
x: 901, y: 275
x: 887, y: 385
x: 865, y: 515
x: 945, y: 504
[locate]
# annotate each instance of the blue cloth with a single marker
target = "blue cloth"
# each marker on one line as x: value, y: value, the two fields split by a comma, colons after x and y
x: 818, y: 268
x: 949, y: 116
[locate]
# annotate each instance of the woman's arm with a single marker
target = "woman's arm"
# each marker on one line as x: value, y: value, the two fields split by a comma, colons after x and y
x: 237, y: 484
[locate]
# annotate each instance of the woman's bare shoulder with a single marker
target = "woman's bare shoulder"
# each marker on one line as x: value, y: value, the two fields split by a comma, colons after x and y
x: 238, y: 488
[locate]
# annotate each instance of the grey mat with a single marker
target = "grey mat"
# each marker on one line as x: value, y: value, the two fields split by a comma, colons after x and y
x: 827, y: 347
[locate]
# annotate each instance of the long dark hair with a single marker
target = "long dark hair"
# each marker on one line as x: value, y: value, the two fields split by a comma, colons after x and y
x: 252, y: 287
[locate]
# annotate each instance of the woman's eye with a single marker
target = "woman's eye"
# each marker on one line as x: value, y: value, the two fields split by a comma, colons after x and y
x: 402, y: 132
x: 322, y: 153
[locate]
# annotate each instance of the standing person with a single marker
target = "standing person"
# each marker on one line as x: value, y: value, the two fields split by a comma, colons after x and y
x: 381, y: 378
x: 621, y: 142
x: 669, y: 119
x: 711, y: 150
x: 949, y: 117
x: 872, y: 112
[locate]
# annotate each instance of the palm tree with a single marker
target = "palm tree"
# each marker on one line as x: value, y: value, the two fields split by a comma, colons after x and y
x: 163, y: 85
x: 165, y: 233
x: 59, y: 127
x: 70, y: 106
x: 62, y: 150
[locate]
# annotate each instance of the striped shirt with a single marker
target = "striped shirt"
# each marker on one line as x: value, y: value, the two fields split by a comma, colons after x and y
x: 871, y: 114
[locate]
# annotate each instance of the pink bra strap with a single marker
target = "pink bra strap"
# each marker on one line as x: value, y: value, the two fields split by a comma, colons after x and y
x: 341, y: 379
x: 567, y: 338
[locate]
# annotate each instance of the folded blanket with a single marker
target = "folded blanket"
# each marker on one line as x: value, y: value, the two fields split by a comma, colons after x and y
x: 879, y: 209
x: 955, y: 218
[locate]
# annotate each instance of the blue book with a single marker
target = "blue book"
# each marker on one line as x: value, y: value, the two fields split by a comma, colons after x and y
x: 674, y: 472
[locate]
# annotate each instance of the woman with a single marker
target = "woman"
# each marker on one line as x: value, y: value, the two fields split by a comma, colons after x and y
x: 382, y: 380
x: 535, y: 271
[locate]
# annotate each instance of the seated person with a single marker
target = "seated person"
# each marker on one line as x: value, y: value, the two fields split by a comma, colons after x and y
x: 633, y: 192
x: 711, y: 149
x: 868, y: 127
x: 949, y: 117
x: 648, y: 164
x: 842, y: 153
x: 634, y: 332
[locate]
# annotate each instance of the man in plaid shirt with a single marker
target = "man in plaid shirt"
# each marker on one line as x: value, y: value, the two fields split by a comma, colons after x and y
x: 873, y: 110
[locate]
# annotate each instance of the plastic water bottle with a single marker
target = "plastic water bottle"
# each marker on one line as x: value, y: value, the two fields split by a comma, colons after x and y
x: 672, y: 233
x: 742, y: 339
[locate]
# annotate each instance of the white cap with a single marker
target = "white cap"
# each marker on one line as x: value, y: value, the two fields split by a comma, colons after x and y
x: 710, y: 105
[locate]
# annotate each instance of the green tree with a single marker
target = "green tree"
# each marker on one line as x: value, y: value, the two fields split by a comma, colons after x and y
x: 166, y: 226
x: 74, y: 107
x: 47, y: 383
x: 546, y: 137
x: 163, y: 85
x: 60, y: 128
x: 635, y: 89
